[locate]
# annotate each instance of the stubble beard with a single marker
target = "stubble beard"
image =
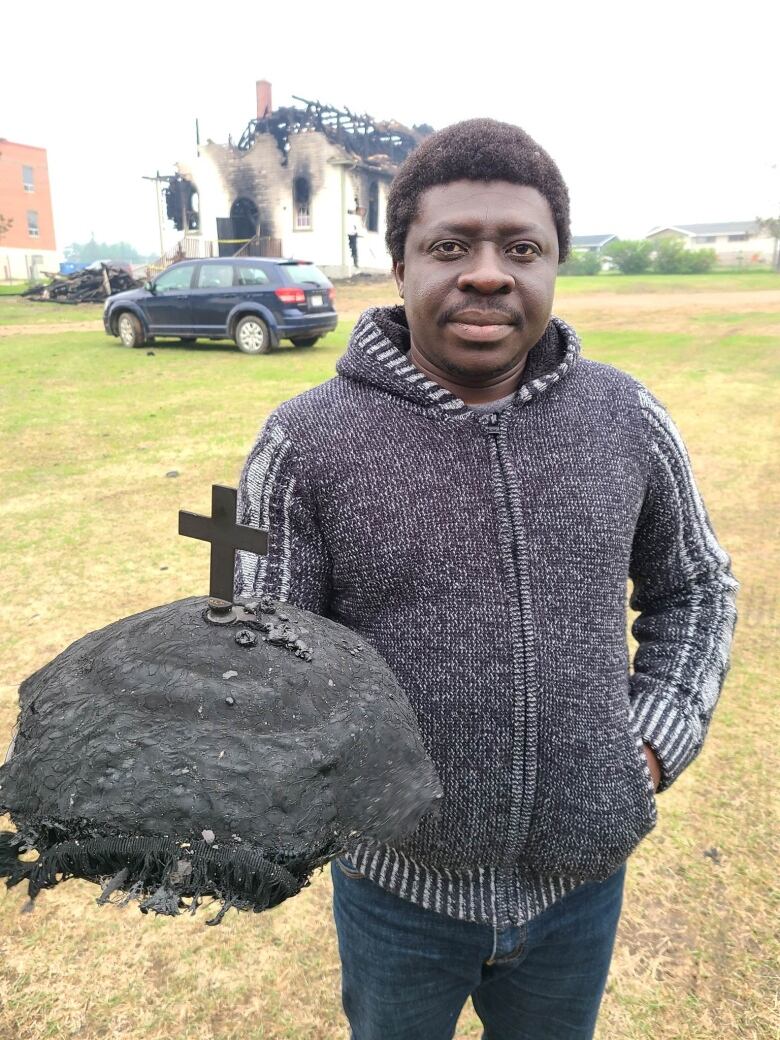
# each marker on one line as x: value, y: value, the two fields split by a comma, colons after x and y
x: 484, y: 374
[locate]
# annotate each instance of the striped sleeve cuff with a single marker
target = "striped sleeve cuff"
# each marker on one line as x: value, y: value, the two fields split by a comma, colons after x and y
x: 675, y: 738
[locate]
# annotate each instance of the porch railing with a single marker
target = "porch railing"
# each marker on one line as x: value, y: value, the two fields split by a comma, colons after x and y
x: 260, y: 245
x: 189, y: 248
x: 192, y: 247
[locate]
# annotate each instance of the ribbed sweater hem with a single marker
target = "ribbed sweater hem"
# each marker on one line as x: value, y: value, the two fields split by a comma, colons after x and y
x: 500, y: 896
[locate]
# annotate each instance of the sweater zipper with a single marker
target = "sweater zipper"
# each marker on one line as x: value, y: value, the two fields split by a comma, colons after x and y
x: 524, y: 747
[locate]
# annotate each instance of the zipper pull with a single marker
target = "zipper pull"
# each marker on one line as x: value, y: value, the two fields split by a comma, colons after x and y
x: 492, y: 422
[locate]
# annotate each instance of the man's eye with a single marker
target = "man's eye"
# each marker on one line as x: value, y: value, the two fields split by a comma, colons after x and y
x: 524, y: 249
x: 449, y: 248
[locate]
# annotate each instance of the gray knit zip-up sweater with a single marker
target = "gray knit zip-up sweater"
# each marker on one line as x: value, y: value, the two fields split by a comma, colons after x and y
x: 486, y: 557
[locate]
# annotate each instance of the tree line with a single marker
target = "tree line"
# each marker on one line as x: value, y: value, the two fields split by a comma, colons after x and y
x: 88, y: 252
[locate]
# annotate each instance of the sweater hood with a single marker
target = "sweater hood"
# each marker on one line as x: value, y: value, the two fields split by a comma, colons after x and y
x: 377, y: 354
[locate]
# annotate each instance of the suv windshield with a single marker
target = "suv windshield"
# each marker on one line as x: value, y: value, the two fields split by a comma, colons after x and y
x: 306, y: 274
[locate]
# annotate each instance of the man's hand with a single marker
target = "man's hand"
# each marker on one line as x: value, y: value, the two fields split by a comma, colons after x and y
x: 654, y: 764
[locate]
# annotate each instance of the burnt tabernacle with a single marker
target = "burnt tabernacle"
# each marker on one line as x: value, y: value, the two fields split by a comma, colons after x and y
x: 209, y: 748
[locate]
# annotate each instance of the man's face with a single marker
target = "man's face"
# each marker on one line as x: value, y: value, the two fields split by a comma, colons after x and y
x: 478, y: 276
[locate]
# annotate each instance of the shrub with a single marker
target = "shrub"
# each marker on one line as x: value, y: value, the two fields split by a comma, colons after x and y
x: 671, y: 257
x: 631, y: 256
x: 699, y: 261
x: 581, y: 263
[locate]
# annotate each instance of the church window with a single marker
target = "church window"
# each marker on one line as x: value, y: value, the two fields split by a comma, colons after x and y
x: 302, y: 203
x: 372, y: 222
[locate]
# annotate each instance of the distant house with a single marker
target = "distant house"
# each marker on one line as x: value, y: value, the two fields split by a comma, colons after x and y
x: 27, y: 247
x: 591, y: 243
x: 737, y: 243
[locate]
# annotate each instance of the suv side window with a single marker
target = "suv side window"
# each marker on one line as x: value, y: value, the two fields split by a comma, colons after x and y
x: 214, y: 276
x: 252, y: 274
x: 174, y: 278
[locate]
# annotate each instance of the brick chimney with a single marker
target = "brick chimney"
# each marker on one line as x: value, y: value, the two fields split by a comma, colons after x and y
x: 264, y: 106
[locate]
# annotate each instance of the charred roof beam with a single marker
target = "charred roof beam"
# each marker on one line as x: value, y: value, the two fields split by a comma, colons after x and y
x: 362, y: 135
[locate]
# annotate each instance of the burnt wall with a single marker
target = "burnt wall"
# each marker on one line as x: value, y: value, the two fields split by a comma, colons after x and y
x: 266, y: 177
x: 260, y: 175
x: 245, y: 175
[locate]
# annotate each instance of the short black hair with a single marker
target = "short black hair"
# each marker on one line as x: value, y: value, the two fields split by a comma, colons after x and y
x: 475, y: 150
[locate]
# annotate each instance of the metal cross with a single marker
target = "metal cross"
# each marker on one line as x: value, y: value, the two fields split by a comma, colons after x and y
x: 225, y: 536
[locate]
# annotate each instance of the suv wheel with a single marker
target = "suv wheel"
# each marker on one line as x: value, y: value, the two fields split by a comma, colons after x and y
x: 304, y: 341
x: 252, y: 335
x: 129, y: 330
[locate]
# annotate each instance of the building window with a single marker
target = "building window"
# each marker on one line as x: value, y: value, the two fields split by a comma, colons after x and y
x: 32, y: 224
x: 302, y: 203
x: 28, y: 178
x: 701, y: 239
x: 741, y: 237
x: 372, y: 222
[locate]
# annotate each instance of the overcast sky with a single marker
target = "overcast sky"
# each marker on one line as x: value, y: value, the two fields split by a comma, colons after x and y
x: 656, y: 113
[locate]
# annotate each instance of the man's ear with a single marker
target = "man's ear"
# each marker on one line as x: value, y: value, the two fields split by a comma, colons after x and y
x: 398, y: 272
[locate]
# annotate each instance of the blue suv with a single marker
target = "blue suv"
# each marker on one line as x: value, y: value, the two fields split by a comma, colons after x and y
x: 256, y: 302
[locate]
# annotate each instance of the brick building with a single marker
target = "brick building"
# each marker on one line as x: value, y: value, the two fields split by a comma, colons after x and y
x: 27, y: 248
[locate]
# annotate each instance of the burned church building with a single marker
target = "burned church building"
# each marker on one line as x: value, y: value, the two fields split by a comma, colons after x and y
x: 307, y: 181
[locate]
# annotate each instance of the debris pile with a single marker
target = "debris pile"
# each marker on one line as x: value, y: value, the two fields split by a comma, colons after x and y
x: 92, y: 285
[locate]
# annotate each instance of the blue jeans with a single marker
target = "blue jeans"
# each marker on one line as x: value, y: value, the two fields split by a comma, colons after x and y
x: 407, y: 972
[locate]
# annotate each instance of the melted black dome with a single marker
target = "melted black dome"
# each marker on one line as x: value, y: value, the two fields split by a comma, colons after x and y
x: 189, y: 751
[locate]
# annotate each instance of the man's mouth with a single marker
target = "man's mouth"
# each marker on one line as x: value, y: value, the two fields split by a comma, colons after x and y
x: 481, y: 326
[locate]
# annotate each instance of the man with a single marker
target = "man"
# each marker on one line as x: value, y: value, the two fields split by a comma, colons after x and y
x: 471, y: 496
x: 353, y: 231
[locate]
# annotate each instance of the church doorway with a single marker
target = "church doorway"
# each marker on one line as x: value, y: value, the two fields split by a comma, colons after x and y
x: 239, y: 228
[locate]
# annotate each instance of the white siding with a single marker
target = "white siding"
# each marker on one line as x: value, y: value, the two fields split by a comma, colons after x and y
x: 20, y: 264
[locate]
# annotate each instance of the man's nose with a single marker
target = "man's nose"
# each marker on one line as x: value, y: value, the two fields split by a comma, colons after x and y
x: 488, y: 274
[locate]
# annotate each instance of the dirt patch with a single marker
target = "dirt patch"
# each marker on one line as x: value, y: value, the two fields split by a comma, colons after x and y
x: 666, y: 312
x: 689, y: 303
x: 48, y: 330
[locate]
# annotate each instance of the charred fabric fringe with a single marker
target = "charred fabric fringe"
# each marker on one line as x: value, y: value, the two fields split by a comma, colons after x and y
x: 161, y: 873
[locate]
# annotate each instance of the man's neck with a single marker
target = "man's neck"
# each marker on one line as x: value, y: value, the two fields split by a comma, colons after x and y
x: 469, y: 393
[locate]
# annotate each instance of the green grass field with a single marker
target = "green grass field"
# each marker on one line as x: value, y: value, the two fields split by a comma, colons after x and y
x: 88, y: 525
x: 16, y: 310
x: 717, y: 281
